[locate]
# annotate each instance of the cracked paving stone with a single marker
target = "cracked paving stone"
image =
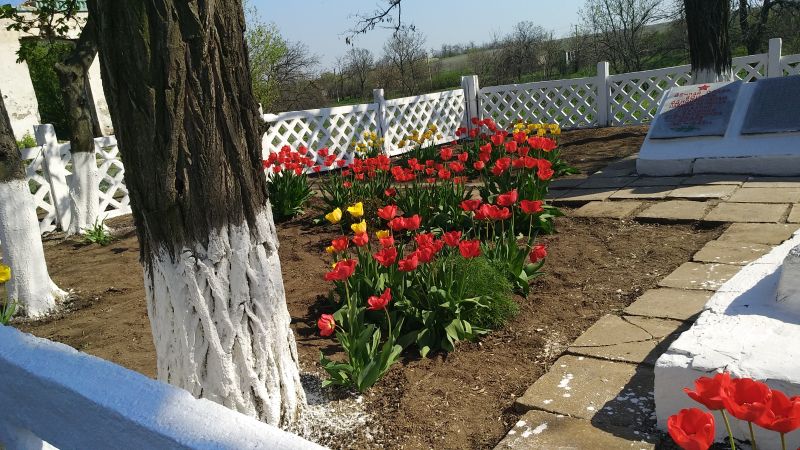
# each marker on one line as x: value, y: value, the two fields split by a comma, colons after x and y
x: 630, y: 339
x: 693, y: 275
x: 612, y: 210
x: 759, y: 233
x: 731, y: 252
x: 668, y: 303
x: 605, y: 392
x: 540, y: 430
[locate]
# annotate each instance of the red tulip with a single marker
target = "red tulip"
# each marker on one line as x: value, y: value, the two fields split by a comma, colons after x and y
x: 511, y: 146
x: 520, y: 136
x: 692, y: 429
x: 486, y: 148
x: 446, y: 153
x: 361, y: 239
x: 387, y: 242
x: 376, y: 303
x: 463, y: 156
x: 339, y: 244
x: 507, y: 199
x: 326, y: 325
x: 470, y: 249
x: 409, y: 263
x: 545, y: 174
x: 470, y: 205
x: 782, y: 414
x: 387, y: 256
x: 451, y: 238
x: 425, y: 254
x: 343, y: 270
x: 479, y: 165
x: 538, y: 253
x: 531, y: 206
x: 747, y: 399
x: 710, y: 392
x: 412, y: 223
x: 497, y: 139
x: 388, y: 212
x: 391, y: 192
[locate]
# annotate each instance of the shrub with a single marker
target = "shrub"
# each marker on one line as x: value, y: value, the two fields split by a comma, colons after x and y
x: 288, y: 194
x: 27, y: 141
x: 488, y: 282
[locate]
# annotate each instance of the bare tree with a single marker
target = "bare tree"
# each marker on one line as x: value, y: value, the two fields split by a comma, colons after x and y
x: 754, y: 17
x: 405, y: 53
x: 359, y: 62
x: 520, y: 51
x: 389, y: 15
x: 619, y: 28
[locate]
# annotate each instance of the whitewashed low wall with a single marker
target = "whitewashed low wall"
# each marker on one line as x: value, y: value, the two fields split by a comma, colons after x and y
x: 70, y: 400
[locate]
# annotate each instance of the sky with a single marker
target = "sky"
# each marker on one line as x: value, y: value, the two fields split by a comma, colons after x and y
x: 321, y: 24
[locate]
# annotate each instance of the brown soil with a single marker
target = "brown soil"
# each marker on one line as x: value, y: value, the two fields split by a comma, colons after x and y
x: 592, y: 149
x: 459, y: 401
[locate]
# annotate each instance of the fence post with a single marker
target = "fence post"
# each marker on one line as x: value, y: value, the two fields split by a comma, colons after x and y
x: 380, y: 117
x: 774, y: 68
x: 603, y: 94
x: 54, y: 172
x: 470, y: 85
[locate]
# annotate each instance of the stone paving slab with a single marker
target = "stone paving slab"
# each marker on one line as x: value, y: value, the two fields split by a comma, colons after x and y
x: 657, y: 181
x: 773, y: 182
x: 678, y: 304
x: 704, y: 191
x: 766, y: 195
x: 761, y: 233
x: 605, y: 392
x: 621, y: 168
x: 540, y: 430
x: 613, y: 210
x: 585, y: 195
x: 566, y: 183
x: 716, y: 179
x: 675, y: 210
x: 645, y: 192
x: 692, y: 275
x: 630, y: 339
x: 794, y: 216
x: 748, y: 212
x: 731, y: 252
x: 606, y: 182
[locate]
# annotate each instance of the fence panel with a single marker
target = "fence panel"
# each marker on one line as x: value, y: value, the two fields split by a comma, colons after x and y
x: 750, y: 68
x: 404, y: 115
x: 336, y: 128
x: 114, y: 199
x: 633, y: 97
x: 790, y: 65
x: 33, y: 159
x: 570, y: 103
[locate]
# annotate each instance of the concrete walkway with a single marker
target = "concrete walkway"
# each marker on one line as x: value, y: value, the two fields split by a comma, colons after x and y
x: 599, y: 394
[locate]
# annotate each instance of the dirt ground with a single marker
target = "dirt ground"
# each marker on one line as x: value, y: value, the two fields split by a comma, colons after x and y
x: 458, y: 401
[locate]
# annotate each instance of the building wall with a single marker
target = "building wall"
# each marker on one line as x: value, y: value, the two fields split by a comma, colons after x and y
x: 19, y: 95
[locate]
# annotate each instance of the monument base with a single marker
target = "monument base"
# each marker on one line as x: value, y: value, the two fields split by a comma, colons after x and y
x: 769, y: 153
x: 744, y: 331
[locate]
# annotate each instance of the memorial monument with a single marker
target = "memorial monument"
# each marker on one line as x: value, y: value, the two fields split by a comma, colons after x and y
x: 732, y: 127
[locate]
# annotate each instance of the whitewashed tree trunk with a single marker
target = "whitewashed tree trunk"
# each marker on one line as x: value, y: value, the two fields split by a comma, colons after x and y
x: 30, y: 283
x: 701, y: 76
x: 220, y: 323
x: 83, y: 192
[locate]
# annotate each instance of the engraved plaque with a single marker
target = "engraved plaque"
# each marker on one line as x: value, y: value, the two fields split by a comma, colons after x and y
x: 774, y: 107
x: 696, y: 110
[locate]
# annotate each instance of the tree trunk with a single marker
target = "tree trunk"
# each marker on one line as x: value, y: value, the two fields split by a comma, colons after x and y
x: 709, y: 45
x: 177, y: 79
x: 84, y: 126
x: 30, y: 285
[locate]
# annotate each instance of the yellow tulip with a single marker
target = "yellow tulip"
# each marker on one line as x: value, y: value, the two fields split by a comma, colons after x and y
x: 402, y: 143
x: 356, y: 210
x: 382, y: 234
x: 330, y: 249
x: 5, y: 273
x: 359, y: 228
x: 334, y: 216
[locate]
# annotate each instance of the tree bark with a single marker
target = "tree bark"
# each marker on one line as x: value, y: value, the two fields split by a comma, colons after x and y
x: 30, y: 285
x: 84, y: 126
x: 709, y: 44
x: 177, y: 79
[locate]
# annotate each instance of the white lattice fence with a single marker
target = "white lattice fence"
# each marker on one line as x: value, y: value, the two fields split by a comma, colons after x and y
x: 33, y: 159
x: 335, y: 128
x: 570, y: 103
x: 790, y: 65
x: 114, y: 199
x: 407, y: 114
x: 751, y: 67
x: 633, y: 97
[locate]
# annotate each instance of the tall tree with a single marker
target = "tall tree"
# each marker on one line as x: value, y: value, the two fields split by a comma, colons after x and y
x: 177, y: 77
x: 57, y: 21
x: 30, y: 285
x: 405, y: 53
x: 709, y: 44
x: 754, y: 17
x: 360, y: 63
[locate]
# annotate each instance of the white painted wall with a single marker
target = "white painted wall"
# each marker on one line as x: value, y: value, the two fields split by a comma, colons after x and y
x: 18, y: 93
x: 51, y: 392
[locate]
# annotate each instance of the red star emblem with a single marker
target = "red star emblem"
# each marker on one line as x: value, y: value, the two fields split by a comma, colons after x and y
x: 703, y: 87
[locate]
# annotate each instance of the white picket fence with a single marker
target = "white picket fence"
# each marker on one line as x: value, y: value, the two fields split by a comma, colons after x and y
x: 598, y: 101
